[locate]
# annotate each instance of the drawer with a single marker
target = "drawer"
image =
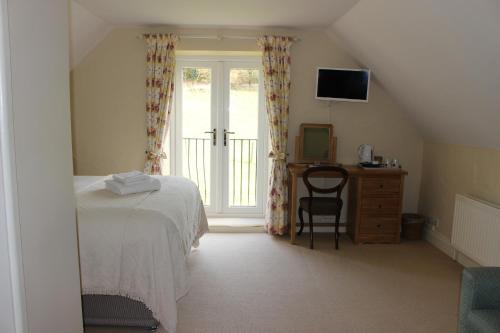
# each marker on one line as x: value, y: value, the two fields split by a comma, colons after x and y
x: 381, y: 186
x: 379, y: 224
x: 375, y: 205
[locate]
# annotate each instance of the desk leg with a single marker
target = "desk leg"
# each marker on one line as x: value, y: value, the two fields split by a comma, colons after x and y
x: 292, y: 204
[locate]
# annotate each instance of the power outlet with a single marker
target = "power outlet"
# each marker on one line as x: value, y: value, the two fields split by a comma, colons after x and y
x: 433, y: 222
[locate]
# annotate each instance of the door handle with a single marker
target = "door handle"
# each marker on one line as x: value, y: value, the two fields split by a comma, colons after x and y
x: 214, y: 136
x: 226, y: 132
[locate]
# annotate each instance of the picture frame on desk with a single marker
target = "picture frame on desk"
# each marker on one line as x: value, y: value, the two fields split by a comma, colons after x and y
x: 316, y: 144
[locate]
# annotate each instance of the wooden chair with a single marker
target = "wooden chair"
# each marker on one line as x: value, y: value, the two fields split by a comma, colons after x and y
x: 331, y: 206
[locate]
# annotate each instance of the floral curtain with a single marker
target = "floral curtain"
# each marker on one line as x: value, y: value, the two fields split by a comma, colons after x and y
x: 276, y: 62
x: 160, y: 71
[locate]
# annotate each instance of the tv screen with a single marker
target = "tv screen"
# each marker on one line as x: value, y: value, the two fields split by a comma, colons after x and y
x: 343, y: 84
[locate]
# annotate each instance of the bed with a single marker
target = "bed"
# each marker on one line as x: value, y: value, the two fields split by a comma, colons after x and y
x: 133, y: 250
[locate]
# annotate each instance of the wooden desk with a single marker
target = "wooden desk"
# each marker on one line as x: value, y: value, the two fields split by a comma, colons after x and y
x: 374, y: 205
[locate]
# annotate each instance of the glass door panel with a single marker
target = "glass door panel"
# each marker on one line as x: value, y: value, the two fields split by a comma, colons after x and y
x: 243, y: 119
x: 196, y: 124
x: 244, y: 123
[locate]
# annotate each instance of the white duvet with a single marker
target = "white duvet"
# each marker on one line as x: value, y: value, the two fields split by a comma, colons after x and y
x: 136, y: 245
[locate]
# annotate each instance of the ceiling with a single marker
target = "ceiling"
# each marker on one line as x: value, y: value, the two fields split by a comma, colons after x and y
x: 86, y: 31
x: 439, y: 59
x: 276, y: 13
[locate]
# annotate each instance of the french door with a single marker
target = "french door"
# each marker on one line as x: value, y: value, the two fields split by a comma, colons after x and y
x: 221, y: 133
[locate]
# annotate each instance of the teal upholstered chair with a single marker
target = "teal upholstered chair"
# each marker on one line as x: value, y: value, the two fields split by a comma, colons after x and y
x: 480, y: 300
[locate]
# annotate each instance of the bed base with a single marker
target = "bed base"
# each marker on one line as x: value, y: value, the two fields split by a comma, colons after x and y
x: 109, y: 310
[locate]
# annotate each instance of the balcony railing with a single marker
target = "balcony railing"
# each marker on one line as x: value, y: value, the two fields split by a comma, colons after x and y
x: 242, y: 177
x: 196, y: 164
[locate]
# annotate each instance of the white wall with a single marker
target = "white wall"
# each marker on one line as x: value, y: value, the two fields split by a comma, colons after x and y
x: 12, y: 310
x: 7, y: 292
x: 38, y: 33
x: 455, y: 169
x: 108, y: 98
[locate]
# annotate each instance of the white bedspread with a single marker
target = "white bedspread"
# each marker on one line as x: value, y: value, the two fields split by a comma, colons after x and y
x: 136, y: 245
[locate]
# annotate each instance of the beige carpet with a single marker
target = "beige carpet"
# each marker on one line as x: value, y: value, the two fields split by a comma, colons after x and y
x: 257, y: 283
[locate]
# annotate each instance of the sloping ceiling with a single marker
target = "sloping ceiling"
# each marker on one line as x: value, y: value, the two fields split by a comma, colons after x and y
x: 86, y: 31
x: 439, y: 59
x: 274, y: 13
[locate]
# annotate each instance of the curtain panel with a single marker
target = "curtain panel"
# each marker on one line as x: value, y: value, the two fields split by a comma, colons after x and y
x: 276, y: 63
x: 160, y: 70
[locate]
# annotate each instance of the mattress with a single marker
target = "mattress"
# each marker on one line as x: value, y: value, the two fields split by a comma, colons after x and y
x: 135, y: 246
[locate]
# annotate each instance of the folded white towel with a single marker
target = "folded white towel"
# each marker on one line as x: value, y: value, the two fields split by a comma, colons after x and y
x: 133, y: 182
x: 136, y: 179
x: 130, y: 177
x: 116, y: 187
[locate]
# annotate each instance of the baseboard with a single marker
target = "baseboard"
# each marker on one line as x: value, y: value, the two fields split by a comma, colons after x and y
x: 439, y: 241
x: 442, y: 243
x: 259, y: 229
x: 319, y: 228
x: 465, y: 261
x: 236, y: 229
x: 228, y: 224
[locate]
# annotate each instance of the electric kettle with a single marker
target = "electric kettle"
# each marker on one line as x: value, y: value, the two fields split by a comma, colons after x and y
x: 365, y: 153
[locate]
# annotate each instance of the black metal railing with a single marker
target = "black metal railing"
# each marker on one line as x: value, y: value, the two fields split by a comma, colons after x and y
x: 196, y: 164
x: 242, y: 179
x: 242, y: 172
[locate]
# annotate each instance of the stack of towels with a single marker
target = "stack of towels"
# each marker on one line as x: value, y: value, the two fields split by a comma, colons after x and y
x: 132, y: 182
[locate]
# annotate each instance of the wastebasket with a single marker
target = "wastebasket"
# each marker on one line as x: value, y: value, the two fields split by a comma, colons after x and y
x: 412, y: 226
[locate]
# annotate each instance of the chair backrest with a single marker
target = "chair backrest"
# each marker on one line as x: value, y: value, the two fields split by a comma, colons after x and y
x: 310, y: 172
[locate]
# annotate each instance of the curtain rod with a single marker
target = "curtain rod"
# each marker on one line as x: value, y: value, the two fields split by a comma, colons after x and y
x: 219, y: 37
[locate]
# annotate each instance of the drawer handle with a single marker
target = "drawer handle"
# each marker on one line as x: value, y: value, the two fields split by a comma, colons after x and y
x: 379, y: 225
x: 381, y: 185
x: 379, y: 206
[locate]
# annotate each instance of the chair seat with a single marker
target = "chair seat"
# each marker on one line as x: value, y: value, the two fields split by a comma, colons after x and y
x: 321, y: 205
x: 484, y: 321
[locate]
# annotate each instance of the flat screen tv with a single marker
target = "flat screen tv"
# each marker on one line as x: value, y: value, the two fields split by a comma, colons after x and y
x: 342, y: 84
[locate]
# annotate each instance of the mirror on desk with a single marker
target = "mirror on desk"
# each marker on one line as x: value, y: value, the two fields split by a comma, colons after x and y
x: 316, y: 144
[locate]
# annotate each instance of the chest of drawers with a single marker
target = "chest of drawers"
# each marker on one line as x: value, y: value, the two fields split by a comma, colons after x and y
x: 374, y: 208
x: 374, y: 203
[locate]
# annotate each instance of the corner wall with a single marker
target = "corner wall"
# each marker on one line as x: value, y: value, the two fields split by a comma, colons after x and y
x: 39, y: 68
x: 108, y: 116
x: 455, y: 169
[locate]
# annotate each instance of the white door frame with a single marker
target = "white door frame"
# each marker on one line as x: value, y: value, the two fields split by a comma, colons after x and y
x: 261, y: 146
x: 221, y: 99
x: 176, y: 163
x: 13, y: 316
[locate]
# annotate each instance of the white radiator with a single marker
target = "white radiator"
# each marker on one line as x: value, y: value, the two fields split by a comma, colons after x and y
x: 476, y: 230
